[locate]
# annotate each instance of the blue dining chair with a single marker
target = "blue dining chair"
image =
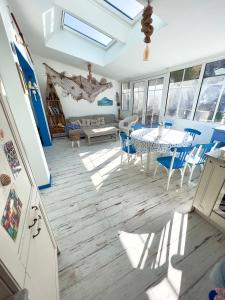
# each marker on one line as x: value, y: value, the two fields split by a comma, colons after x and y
x: 175, y: 162
x: 126, y: 146
x: 137, y: 126
x: 198, y: 157
x: 193, y: 132
x: 168, y: 124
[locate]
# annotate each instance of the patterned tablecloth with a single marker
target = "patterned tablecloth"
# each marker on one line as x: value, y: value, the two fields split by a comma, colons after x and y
x: 148, y: 140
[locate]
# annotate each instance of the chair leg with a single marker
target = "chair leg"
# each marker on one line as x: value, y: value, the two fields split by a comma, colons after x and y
x: 191, y: 173
x: 128, y: 158
x: 156, y: 168
x: 169, y: 177
x: 182, y: 177
x: 141, y: 160
x: 72, y: 144
x: 121, y: 157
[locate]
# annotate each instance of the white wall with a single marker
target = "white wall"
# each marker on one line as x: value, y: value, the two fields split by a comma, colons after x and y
x: 19, y: 102
x: 72, y: 107
x: 205, y: 128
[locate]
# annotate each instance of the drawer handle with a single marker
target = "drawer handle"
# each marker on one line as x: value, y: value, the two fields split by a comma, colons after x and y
x: 38, y: 231
x: 35, y: 216
x: 34, y: 222
x: 39, y: 227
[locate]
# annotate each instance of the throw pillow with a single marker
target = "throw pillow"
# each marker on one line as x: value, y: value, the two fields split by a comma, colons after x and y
x: 72, y: 126
x: 95, y: 122
x: 77, y: 122
x: 101, y: 121
x: 88, y: 122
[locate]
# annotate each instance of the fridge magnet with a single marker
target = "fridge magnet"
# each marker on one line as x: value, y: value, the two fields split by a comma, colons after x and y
x: 12, y: 158
x: 12, y: 213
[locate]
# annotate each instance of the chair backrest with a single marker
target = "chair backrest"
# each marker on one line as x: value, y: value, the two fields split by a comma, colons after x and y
x: 137, y: 126
x: 180, y: 153
x: 131, y: 119
x: 192, y: 132
x: 168, y: 124
x: 202, y: 149
x: 123, y: 138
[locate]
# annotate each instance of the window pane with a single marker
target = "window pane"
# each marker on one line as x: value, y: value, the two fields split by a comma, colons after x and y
x: 130, y: 8
x: 192, y: 73
x: 126, y: 96
x: 173, y: 99
x: 215, y: 68
x: 176, y: 76
x: 182, y: 92
x: 220, y: 115
x: 138, y: 98
x: 210, y: 92
x: 155, y: 90
x: 86, y: 30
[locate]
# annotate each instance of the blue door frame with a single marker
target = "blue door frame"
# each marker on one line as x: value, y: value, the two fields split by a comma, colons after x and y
x: 36, y: 101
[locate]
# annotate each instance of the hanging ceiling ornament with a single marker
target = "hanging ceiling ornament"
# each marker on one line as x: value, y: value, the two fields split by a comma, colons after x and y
x: 147, y: 28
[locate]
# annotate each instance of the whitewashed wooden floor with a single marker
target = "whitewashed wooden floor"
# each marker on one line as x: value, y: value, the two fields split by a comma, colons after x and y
x: 121, y: 235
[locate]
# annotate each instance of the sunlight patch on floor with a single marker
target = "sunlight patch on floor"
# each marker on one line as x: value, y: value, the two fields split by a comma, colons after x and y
x: 169, y: 246
x: 92, y: 161
x: 99, y: 177
x: 137, y: 247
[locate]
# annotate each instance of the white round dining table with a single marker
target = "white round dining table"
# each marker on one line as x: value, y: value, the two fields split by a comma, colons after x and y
x: 148, y: 140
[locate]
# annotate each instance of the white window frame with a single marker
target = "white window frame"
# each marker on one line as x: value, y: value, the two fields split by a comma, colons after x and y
x: 198, y: 88
x: 125, y: 82
x: 119, y: 14
x: 164, y: 76
x: 74, y: 31
x: 217, y: 103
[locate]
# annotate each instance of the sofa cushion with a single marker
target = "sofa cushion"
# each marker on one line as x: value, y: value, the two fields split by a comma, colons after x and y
x: 76, y: 122
x: 101, y: 120
x: 95, y: 122
x: 85, y: 122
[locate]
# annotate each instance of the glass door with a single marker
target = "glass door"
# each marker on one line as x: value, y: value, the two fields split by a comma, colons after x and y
x: 154, y: 101
x: 138, y: 102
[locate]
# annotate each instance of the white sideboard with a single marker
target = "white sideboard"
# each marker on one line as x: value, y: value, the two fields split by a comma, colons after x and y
x: 28, y: 251
x: 211, y: 188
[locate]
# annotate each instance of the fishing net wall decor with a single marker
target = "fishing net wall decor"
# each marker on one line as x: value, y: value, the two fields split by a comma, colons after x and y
x: 78, y: 87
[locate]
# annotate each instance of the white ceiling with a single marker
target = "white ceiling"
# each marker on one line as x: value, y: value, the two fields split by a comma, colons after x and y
x: 194, y: 30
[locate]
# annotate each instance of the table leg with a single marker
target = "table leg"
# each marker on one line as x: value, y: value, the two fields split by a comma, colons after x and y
x: 147, y: 170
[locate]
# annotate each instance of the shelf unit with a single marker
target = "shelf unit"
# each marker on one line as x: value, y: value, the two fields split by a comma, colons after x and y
x: 55, y: 116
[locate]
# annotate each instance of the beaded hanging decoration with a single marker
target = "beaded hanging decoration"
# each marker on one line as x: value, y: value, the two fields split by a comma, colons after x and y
x: 147, y: 28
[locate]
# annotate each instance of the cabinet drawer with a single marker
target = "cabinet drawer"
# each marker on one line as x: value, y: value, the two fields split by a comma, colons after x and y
x: 26, y: 237
x: 209, y: 187
x: 42, y: 267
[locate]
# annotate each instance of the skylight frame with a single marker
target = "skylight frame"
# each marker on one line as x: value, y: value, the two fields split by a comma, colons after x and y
x: 122, y: 14
x: 83, y: 35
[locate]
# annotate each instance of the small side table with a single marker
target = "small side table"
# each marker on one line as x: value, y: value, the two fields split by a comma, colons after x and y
x: 74, y: 137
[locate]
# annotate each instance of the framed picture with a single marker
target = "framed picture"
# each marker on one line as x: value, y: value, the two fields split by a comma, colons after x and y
x: 105, y: 102
x: 12, y: 158
x: 22, y: 79
x: 12, y: 213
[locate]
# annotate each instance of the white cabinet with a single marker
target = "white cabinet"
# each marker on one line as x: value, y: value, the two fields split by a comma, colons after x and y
x: 42, y: 274
x: 29, y: 260
x: 209, y: 187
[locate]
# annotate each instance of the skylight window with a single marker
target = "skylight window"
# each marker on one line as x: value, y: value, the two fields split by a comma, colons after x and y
x: 129, y: 8
x: 86, y: 30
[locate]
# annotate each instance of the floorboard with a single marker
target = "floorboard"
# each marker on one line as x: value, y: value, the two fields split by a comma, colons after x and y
x: 121, y: 234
